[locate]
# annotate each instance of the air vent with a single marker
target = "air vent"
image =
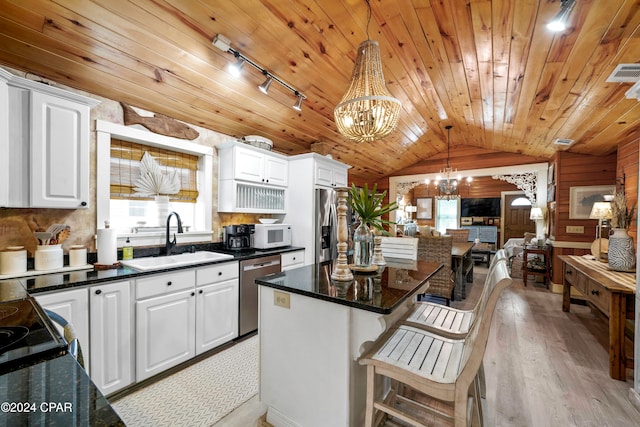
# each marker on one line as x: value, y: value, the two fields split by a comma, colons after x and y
x: 563, y: 141
x: 625, y: 73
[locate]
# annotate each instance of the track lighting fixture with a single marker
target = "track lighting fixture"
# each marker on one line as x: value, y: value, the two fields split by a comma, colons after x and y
x: 264, y: 87
x: 224, y: 44
x: 298, y: 105
x: 559, y: 23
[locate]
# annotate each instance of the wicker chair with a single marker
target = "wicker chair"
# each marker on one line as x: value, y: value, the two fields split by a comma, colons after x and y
x: 460, y: 235
x: 438, y: 249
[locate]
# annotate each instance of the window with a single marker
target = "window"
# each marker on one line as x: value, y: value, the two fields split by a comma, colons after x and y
x: 129, y: 208
x: 447, y: 214
x: 118, y: 169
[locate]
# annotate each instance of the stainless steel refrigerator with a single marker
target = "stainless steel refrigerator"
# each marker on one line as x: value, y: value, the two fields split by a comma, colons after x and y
x: 326, y: 225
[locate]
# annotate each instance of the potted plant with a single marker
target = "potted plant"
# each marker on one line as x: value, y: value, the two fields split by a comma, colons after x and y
x: 621, y: 251
x: 368, y: 206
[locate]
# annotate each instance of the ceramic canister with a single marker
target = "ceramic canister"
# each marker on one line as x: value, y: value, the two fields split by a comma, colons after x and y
x: 13, y: 260
x: 48, y: 257
x: 77, y: 256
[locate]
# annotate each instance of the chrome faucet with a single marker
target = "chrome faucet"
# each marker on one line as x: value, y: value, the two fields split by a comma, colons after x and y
x: 169, y: 243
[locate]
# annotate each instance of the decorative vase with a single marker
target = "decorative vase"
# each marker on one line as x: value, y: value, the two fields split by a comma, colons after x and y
x: 621, y: 253
x: 162, y: 207
x: 362, y: 246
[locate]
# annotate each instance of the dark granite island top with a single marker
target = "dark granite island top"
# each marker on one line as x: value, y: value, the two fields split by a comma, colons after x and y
x: 313, y: 331
x: 380, y: 292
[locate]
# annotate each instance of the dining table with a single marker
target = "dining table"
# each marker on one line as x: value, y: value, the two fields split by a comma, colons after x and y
x: 462, y: 265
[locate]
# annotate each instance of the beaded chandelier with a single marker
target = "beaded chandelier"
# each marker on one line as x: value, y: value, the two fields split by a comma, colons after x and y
x: 367, y: 111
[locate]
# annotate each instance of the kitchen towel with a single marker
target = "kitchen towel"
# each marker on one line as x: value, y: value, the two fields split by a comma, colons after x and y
x: 107, y: 246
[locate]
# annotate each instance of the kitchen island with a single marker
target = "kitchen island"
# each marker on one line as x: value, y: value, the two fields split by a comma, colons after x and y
x: 312, y: 332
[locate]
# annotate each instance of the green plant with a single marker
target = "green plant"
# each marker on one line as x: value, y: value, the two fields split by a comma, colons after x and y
x: 368, y: 205
x: 621, y: 214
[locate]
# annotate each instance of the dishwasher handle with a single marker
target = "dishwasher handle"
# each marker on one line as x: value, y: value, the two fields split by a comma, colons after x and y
x: 259, y: 265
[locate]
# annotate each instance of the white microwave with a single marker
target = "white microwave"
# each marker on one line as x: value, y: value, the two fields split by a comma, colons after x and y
x: 267, y: 236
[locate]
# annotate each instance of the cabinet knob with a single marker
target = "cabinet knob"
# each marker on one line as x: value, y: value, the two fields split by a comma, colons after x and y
x: 169, y: 283
x: 200, y: 291
x: 98, y: 291
x: 83, y: 203
x: 595, y: 292
x: 193, y: 294
x: 219, y: 273
x: 569, y: 273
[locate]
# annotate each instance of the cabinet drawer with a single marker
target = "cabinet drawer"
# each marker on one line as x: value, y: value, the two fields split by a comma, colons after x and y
x: 291, y: 259
x: 217, y: 273
x: 165, y: 283
x: 599, y: 296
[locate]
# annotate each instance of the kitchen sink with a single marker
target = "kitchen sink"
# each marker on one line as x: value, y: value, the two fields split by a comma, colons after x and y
x: 160, y: 262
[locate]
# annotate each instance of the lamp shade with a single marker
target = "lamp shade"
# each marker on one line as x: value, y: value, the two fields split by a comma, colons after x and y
x: 536, y: 214
x: 601, y: 210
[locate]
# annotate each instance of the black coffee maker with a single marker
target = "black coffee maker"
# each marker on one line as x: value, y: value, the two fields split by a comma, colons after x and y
x: 239, y: 237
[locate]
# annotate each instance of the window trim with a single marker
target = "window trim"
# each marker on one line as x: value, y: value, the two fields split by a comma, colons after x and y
x: 106, y: 130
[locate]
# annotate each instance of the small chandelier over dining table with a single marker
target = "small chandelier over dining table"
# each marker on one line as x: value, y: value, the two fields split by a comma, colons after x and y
x: 447, y: 183
x: 367, y: 111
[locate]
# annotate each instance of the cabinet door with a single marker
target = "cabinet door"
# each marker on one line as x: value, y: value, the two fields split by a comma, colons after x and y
x: 276, y: 171
x: 111, y: 336
x: 340, y: 177
x: 324, y: 175
x: 73, y: 305
x: 248, y: 165
x: 59, y: 152
x: 216, y: 314
x: 165, y: 333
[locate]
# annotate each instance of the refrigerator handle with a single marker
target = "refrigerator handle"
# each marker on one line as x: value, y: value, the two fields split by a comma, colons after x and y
x: 333, y: 218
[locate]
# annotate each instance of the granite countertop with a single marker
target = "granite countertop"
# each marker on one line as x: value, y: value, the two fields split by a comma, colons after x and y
x: 59, y: 281
x: 54, y: 392
x: 380, y: 292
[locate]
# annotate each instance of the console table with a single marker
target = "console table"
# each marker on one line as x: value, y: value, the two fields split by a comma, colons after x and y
x: 612, y: 293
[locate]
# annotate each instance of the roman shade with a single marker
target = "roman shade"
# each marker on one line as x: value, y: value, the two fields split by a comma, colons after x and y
x: 125, y: 170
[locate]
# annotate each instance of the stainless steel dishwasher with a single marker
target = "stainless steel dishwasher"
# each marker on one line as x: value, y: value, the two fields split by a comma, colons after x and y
x: 250, y: 270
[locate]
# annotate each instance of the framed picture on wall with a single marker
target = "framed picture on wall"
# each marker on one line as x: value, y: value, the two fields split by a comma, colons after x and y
x: 581, y: 199
x: 425, y: 208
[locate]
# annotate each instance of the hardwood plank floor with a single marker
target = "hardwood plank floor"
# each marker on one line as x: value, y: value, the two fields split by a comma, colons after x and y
x: 543, y: 367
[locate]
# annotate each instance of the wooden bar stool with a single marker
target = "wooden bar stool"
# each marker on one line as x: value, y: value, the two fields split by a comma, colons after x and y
x: 433, y: 377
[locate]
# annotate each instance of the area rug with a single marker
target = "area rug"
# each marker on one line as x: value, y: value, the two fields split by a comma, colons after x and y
x: 199, y: 395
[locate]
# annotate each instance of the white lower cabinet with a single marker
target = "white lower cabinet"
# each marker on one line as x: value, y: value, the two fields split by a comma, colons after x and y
x: 178, y: 316
x: 111, y: 336
x: 73, y: 306
x: 217, y: 304
x: 216, y: 315
x: 291, y: 260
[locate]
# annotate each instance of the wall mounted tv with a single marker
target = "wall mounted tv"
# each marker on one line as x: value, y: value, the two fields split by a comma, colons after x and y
x: 480, y: 207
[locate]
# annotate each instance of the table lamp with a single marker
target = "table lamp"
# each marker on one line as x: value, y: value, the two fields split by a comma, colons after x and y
x: 600, y: 211
x: 411, y: 209
x: 536, y: 214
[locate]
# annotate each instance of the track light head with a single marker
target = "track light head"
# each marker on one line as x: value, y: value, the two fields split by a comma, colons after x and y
x: 264, y: 87
x: 559, y: 23
x: 298, y: 105
x: 236, y: 69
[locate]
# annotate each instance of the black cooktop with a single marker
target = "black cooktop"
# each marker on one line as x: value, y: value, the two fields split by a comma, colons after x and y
x: 25, y: 336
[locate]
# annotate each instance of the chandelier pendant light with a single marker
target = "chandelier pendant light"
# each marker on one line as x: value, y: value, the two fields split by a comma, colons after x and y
x: 447, y: 183
x: 367, y: 111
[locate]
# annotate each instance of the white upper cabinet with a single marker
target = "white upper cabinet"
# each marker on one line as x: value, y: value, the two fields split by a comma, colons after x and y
x: 253, y: 164
x: 47, y: 165
x: 251, y: 180
x: 330, y: 174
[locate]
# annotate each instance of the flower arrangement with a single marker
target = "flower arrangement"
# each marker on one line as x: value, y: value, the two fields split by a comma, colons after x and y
x: 368, y: 205
x: 152, y: 182
x: 621, y: 214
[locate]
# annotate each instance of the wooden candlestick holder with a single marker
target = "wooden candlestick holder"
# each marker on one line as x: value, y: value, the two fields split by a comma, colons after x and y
x: 341, y: 272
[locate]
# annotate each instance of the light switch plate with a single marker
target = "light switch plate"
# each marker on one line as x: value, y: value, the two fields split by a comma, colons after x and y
x: 282, y: 299
x: 575, y: 229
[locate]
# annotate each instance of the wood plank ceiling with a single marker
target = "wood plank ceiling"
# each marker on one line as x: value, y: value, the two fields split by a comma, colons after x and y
x: 490, y: 68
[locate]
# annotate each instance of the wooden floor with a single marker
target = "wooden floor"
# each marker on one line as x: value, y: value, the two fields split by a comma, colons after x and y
x: 543, y: 367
